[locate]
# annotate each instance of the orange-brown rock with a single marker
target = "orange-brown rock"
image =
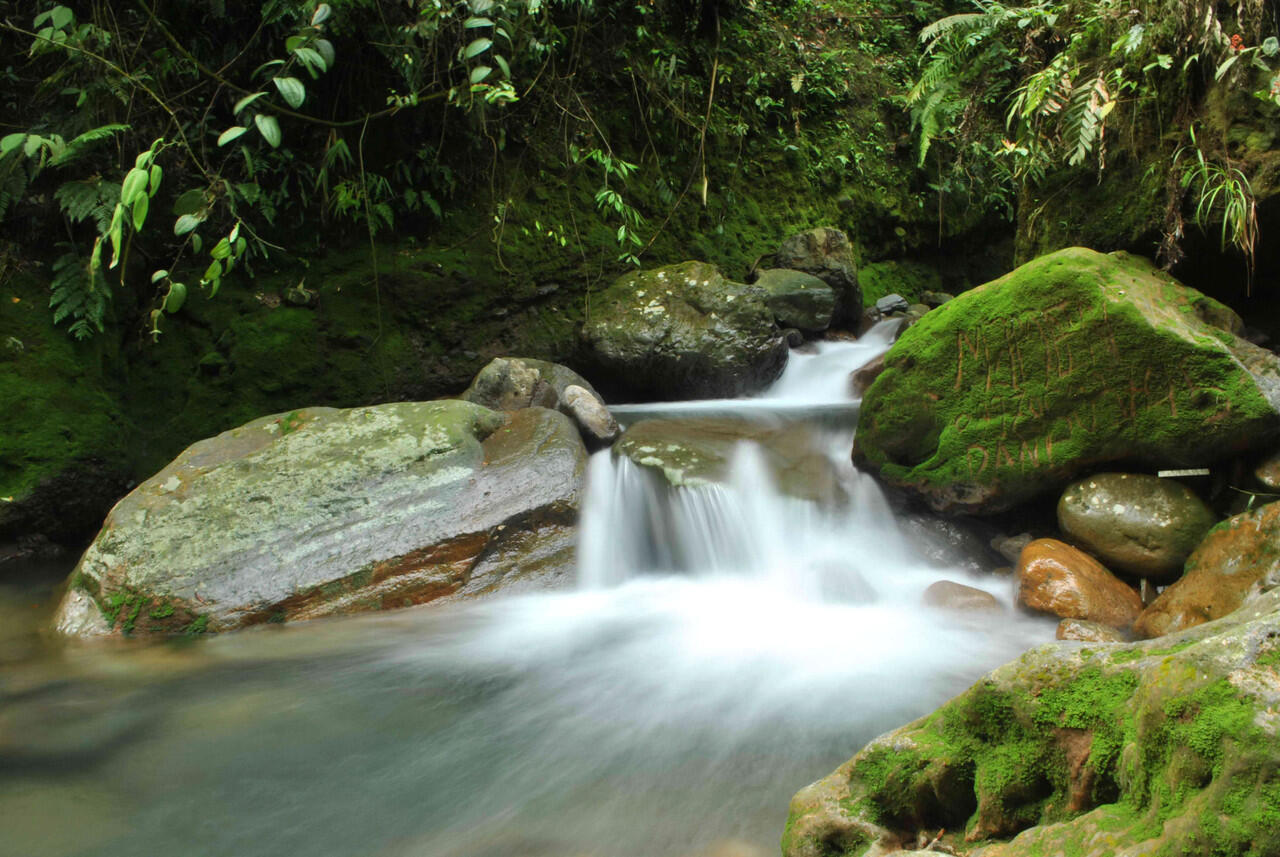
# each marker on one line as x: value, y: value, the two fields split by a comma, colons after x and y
x: 1055, y: 578
x: 1235, y: 556
x: 950, y: 595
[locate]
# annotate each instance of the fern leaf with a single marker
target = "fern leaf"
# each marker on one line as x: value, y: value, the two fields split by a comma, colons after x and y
x: 77, y: 146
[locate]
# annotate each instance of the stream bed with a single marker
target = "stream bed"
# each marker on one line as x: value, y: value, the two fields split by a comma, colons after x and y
x: 727, y: 645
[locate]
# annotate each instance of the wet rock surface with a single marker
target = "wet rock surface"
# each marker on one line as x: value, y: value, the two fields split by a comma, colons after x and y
x: 324, y: 511
x: 949, y: 595
x: 797, y: 299
x: 827, y: 254
x: 1055, y: 578
x: 1238, y: 557
x: 512, y: 383
x: 1135, y: 523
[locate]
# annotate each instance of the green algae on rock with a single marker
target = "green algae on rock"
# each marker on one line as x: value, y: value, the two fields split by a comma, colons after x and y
x: 324, y: 511
x: 683, y: 332
x: 1070, y: 361
x: 798, y: 299
x: 1088, y: 750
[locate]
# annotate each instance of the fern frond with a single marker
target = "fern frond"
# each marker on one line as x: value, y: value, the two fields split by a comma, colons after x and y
x: 77, y: 146
x: 949, y: 25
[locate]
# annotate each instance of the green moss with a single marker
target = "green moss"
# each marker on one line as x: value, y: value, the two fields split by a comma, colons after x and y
x: 197, y: 626
x: 904, y: 277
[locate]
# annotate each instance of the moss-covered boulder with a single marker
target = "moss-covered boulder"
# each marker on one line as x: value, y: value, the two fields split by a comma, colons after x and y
x: 1158, y: 749
x: 701, y: 452
x: 826, y: 253
x: 61, y: 431
x: 684, y: 332
x: 1136, y: 523
x: 1236, y: 557
x: 1070, y: 361
x: 321, y: 511
x: 798, y: 299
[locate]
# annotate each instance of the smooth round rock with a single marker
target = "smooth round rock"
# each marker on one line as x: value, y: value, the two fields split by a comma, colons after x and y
x: 1136, y: 523
x: 591, y: 414
x: 949, y: 595
x: 797, y: 299
x: 1055, y: 578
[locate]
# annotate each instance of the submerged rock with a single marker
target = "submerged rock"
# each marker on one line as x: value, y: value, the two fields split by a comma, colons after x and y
x: 512, y: 383
x: 949, y: 595
x: 684, y: 332
x: 701, y: 452
x: 1075, y: 359
x: 1237, y: 556
x: 1085, y: 631
x: 798, y: 299
x: 1128, y: 749
x: 827, y: 254
x: 324, y: 511
x: 1055, y: 578
x: 1136, y: 523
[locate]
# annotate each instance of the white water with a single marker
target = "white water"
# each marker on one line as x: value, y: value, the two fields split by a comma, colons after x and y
x: 727, y: 646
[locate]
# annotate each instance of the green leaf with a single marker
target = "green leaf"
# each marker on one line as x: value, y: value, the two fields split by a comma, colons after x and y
x: 213, y: 272
x: 472, y: 23
x: 157, y: 175
x: 321, y: 14
x: 1271, y: 46
x: 214, y: 285
x: 291, y: 89
x: 197, y: 243
x: 480, y: 72
x: 245, y: 102
x: 241, y: 246
x: 189, y: 202
x: 62, y: 17
x: 230, y: 134
x: 311, y: 59
x: 221, y: 250
x: 324, y: 47
x: 268, y: 127
x: 476, y: 48
x: 11, y: 142
x: 502, y: 64
x: 176, y: 297
x: 140, y: 207
x: 134, y: 185
x: 266, y: 65
x: 185, y: 224
x: 115, y: 234
x: 159, y: 275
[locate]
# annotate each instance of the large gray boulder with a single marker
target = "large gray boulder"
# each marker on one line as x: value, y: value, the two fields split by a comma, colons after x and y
x: 512, y: 383
x: 798, y: 299
x: 683, y: 332
x: 322, y: 511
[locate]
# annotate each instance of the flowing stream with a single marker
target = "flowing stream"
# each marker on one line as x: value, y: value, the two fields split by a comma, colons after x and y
x: 728, y: 644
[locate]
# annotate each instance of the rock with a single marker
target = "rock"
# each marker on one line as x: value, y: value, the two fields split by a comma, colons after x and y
x: 950, y: 595
x: 324, y: 511
x: 1267, y: 471
x: 1168, y: 747
x: 864, y: 376
x: 592, y: 416
x: 1136, y: 523
x: 827, y: 254
x: 952, y: 543
x: 1235, y: 557
x: 1088, y: 632
x: 798, y: 299
x: 1055, y: 578
x: 890, y: 304
x: 1010, y: 547
x: 934, y: 299
x: 684, y: 332
x: 700, y: 452
x: 511, y: 383
x: 1016, y: 387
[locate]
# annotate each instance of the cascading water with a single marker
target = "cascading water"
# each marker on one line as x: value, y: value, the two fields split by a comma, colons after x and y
x: 728, y: 644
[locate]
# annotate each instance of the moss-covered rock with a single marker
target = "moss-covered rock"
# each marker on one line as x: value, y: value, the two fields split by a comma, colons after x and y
x: 684, y: 332
x: 1156, y: 749
x: 798, y: 299
x: 62, y: 432
x: 826, y: 253
x: 1072, y: 360
x: 324, y: 511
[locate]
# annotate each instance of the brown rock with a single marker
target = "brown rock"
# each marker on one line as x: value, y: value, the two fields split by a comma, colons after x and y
x: 1237, y: 555
x: 1088, y: 632
x: 863, y: 377
x: 1055, y: 578
x: 1268, y: 471
x: 950, y: 595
